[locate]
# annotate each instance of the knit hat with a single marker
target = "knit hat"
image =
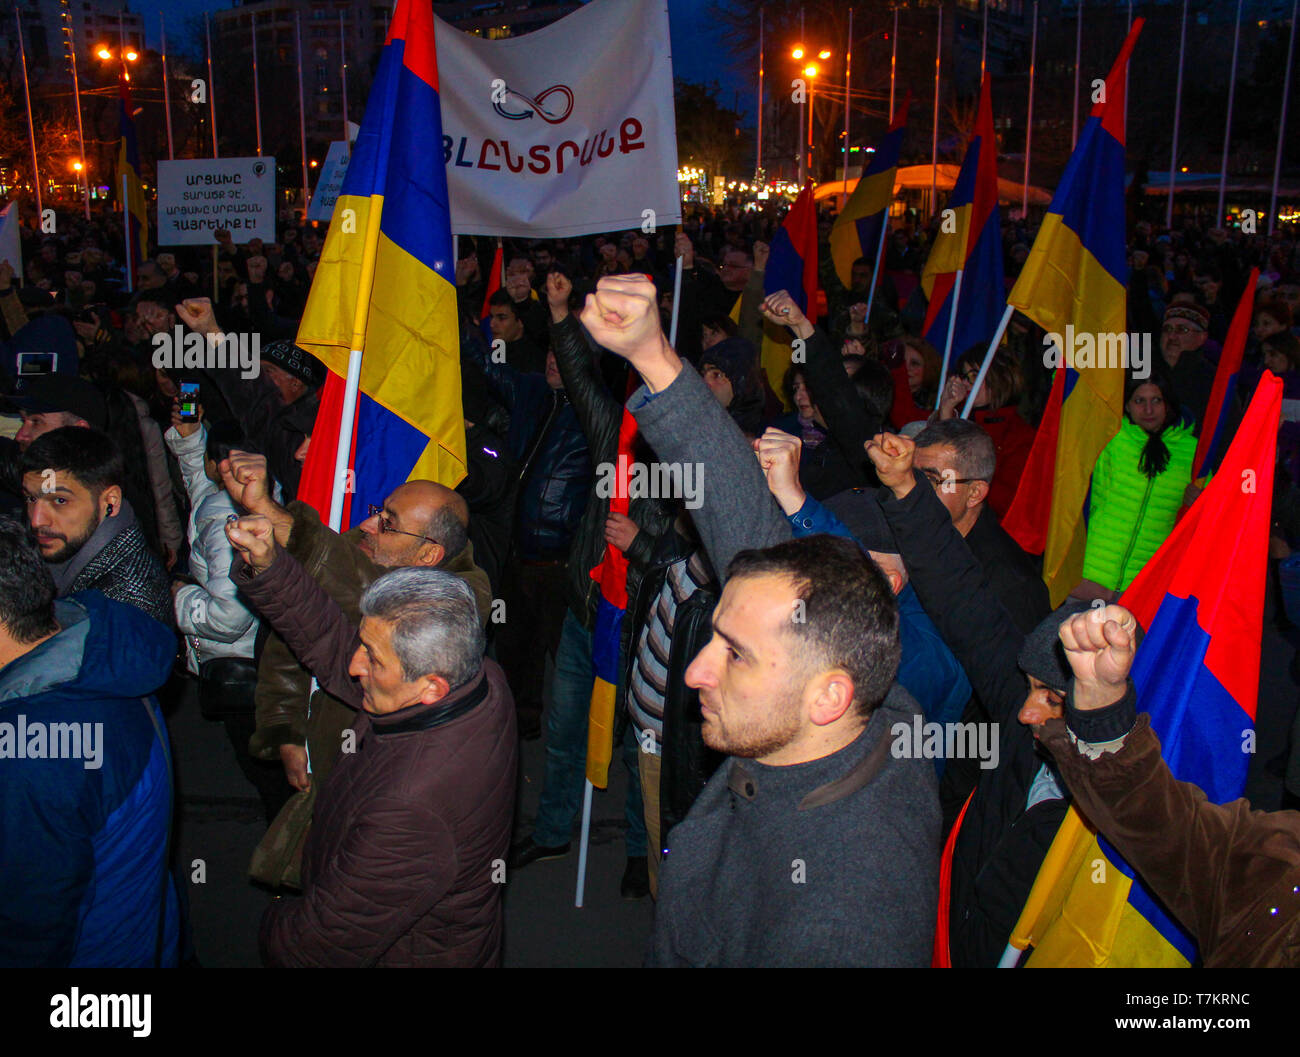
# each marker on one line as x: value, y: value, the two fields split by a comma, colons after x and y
x: 44, y: 393
x: 1197, y: 315
x: 295, y: 361
x: 734, y: 357
x: 1042, y: 654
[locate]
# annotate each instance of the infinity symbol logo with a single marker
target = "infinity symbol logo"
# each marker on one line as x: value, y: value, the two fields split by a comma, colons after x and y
x: 535, y: 104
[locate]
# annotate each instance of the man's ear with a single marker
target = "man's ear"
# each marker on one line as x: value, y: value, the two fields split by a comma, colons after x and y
x: 832, y: 696
x: 435, y: 689
x: 430, y: 554
x: 979, y: 491
x: 111, y: 496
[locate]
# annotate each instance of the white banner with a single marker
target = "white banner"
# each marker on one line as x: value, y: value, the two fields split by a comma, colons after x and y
x: 330, y: 182
x: 568, y: 130
x: 196, y: 199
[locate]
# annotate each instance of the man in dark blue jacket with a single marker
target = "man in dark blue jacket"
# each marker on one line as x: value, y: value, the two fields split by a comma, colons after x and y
x: 547, y: 441
x: 85, y: 783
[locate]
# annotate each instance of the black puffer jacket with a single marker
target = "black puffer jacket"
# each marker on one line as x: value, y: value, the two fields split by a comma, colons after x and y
x: 547, y: 441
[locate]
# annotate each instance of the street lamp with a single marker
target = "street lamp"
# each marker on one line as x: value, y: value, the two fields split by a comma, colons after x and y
x: 809, y: 72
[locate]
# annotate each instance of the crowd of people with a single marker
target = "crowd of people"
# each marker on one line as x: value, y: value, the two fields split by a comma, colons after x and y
x: 840, y: 569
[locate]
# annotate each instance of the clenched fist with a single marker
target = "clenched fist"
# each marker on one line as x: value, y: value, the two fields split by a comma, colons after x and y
x: 1100, y: 645
x: 892, y: 457
x: 254, y: 538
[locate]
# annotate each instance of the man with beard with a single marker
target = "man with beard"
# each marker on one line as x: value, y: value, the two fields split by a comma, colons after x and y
x: 84, y: 527
x: 814, y: 843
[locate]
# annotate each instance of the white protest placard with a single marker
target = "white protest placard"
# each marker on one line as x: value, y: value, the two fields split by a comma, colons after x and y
x: 330, y: 182
x: 196, y: 199
x: 568, y: 130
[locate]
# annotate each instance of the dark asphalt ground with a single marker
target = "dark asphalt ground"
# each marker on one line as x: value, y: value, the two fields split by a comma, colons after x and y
x: 221, y: 823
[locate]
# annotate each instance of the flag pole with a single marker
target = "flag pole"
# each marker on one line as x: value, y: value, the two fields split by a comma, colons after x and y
x: 1227, y: 125
x: 31, y: 129
x: 587, y: 787
x: 984, y: 42
x: 167, y: 94
x: 360, y: 317
x: 988, y: 360
x: 212, y: 94
x: 343, y: 71
x: 758, y: 157
x: 1281, y: 127
x: 934, y: 140
x: 952, y: 327
x: 1078, y: 54
x: 880, y: 260
x: 677, y: 299
x: 848, y: 66
x: 302, y: 114
x: 893, y: 64
x: 257, y: 92
x: 126, y: 235
x: 1029, y: 120
x: 1178, y: 110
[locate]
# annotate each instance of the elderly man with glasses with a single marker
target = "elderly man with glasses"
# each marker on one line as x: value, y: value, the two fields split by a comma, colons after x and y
x: 421, y: 524
x: 1183, y: 336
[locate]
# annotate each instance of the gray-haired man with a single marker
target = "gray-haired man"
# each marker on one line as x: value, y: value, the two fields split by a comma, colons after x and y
x: 405, y: 860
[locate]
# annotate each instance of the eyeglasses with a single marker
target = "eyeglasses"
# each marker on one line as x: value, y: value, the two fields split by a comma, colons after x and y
x: 936, y: 478
x: 385, y: 527
x: 1171, y: 329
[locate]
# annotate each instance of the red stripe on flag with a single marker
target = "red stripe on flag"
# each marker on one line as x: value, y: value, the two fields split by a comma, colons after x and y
x: 1234, y: 346
x: 316, y: 486
x: 1030, y: 513
x: 413, y: 24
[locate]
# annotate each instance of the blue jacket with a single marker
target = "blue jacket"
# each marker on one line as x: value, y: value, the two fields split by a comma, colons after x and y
x: 83, y: 837
x: 928, y: 670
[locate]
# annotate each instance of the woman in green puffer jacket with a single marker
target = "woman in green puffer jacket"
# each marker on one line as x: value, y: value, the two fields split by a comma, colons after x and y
x: 1138, y: 483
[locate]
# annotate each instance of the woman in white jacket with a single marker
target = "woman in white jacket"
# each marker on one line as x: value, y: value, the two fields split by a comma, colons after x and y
x: 220, y: 631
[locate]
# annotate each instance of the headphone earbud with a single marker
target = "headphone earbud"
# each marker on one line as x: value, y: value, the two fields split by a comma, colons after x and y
x: 109, y: 511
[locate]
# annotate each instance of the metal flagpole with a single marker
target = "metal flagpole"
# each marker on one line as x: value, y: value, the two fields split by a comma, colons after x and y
x: 879, y: 262
x: 1227, y: 125
x: 167, y: 95
x: 1126, y: 68
x: 848, y: 67
x: 758, y: 159
x: 1029, y: 120
x: 343, y: 69
x: 893, y: 66
x: 1078, y: 54
x: 1281, y: 127
x: 31, y: 129
x: 803, y: 106
x: 952, y: 328
x: 212, y: 93
x: 1178, y: 110
x: 81, y: 135
x: 984, y: 43
x: 934, y: 141
x: 257, y: 95
x: 677, y: 298
x: 302, y: 113
x: 126, y: 236
x: 988, y: 360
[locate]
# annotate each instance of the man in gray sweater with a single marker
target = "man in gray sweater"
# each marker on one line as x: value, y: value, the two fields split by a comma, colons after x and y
x: 813, y: 844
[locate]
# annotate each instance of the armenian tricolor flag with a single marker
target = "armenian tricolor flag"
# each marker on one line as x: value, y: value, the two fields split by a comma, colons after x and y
x: 130, y: 191
x: 1074, y: 282
x: 969, y: 240
x: 493, y: 285
x: 859, y: 228
x: 792, y: 266
x: 611, y: 574
x: 1201, y: 599
x: 383, y: 301
x: 1214, y: 430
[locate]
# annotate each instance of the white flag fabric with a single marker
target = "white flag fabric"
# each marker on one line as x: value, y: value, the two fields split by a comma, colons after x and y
x: 568, y: 130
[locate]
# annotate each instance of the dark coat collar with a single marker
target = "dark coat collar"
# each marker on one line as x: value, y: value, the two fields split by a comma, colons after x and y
x: 425, y: 717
